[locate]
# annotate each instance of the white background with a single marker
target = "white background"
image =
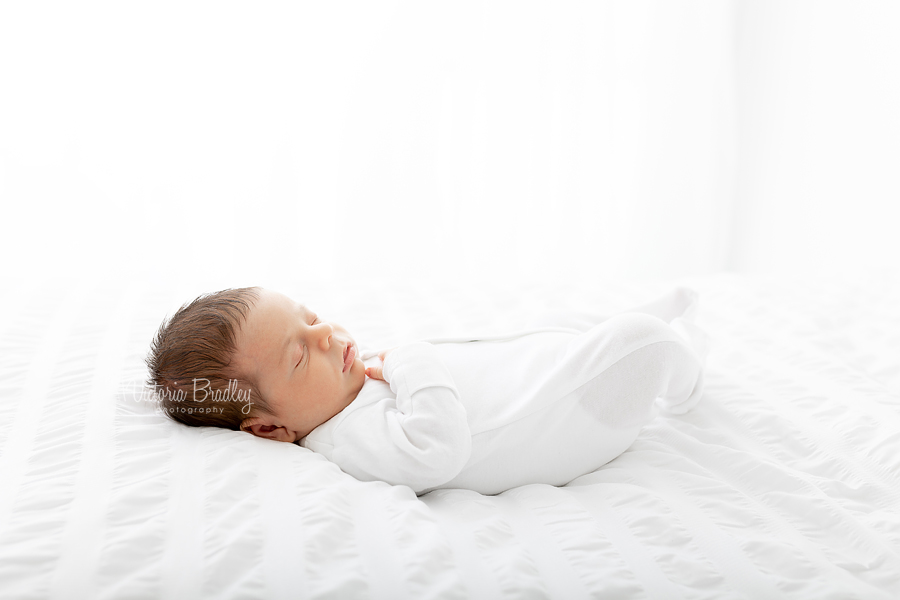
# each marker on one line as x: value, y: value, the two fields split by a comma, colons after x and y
x: 230, y: 144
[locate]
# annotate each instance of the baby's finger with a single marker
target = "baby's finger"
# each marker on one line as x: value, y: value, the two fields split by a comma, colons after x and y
x: 375, y: 373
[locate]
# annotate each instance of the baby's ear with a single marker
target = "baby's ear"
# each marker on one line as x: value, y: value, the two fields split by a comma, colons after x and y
x: 264, y: 428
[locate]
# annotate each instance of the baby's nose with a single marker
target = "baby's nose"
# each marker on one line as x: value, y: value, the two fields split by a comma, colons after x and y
x: 324, y: 331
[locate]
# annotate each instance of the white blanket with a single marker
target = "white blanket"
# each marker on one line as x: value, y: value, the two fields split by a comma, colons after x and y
x: 783, y: 482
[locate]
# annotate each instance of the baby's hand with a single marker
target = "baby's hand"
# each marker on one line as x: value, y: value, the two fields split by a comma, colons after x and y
x: 378, y: 372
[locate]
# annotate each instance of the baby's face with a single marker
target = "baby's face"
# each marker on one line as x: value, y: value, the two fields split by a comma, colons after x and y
x: 307, y: 370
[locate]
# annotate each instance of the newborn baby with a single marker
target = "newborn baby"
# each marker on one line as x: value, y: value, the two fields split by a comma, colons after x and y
x: 543, y: 405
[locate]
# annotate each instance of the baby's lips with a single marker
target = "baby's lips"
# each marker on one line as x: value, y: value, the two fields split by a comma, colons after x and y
x: 349, y: 356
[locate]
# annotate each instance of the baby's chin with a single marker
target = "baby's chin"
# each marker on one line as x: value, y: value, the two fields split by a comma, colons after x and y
x: 358, y: 375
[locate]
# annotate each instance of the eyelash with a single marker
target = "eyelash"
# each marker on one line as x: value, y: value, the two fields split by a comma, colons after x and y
x: 299, y: 362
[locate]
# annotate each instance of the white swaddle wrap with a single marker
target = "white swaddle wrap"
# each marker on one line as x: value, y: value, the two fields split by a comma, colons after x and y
x: 544, y: 405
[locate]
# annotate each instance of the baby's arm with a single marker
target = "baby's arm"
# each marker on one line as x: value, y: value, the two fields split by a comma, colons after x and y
x: 421, y: 439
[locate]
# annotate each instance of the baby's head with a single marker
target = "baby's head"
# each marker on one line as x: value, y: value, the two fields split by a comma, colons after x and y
x: 255, y: 360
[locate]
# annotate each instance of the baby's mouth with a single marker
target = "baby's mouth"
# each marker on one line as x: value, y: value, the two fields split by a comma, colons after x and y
x: 349, y: 356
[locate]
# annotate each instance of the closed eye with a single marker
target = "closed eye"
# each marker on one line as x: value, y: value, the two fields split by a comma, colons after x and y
x: 302, y: 356
x: 315, y: 321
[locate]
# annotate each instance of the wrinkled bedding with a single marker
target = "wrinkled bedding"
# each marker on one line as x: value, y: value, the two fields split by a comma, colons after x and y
x: 783, y: 482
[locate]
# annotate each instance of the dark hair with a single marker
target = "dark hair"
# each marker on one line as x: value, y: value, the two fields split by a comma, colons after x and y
x: 191, y: 354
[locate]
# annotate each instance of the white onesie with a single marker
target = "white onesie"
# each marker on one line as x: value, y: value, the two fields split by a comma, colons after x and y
x: 538, y: 406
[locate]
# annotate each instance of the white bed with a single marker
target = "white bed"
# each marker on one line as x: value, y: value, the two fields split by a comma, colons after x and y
x: 784, y: 482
